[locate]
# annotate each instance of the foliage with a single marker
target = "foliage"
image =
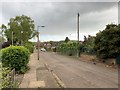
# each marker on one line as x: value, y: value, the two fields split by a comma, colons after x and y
x: 88, y: 45
x: 22, y: 29
x: 69, y: 48
x: 30, y: 46
x: 5, y: 79
x: 51, y: 42
x: 67, y: 39
x: 107, y: 42
x: 2, y: 39
x: 15, y: 57
x: 3, y: 76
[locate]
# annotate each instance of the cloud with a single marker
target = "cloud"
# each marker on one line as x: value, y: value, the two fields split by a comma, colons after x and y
x: 60, y: 19
x: 59, y: 1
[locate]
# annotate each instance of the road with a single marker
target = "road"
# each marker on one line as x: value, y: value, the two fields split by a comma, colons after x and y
x: 75, y: 73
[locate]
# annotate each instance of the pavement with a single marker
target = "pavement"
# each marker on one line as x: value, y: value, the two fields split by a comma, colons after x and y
x: 38, y: 76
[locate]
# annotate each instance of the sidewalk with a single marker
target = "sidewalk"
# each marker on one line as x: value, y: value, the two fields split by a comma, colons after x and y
x: 38, y: 76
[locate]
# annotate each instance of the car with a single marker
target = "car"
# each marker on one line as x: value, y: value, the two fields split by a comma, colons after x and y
x: 43, y: 49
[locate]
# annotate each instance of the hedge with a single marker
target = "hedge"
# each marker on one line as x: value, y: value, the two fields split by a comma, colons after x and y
x: 70, y: 48
x: 15, y: 57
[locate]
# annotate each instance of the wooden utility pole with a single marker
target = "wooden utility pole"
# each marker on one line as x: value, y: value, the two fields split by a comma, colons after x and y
x: 78, y: 26
x: 78, y: 54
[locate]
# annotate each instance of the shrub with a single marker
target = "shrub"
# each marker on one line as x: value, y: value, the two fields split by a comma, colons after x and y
x: 15, y: 57
x: 30, y: 46
x: 5, y: 81
x: 107, y: 42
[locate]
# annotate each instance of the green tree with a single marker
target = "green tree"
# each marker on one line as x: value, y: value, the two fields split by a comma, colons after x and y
x: 2, y: 39
x: 22, y: 28
x: 3, y: 27
x: 88, y: 44
x: 51, y: 42
x: 107, y: 42
x: 67, y: 39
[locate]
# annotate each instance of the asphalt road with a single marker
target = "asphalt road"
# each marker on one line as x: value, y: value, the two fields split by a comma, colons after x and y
x: 75, y: 73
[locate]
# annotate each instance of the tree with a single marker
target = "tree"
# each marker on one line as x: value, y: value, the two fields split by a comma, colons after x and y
x: 51, y: 42
x: 107, y: 42
x: 22, y: 29
x: 2, y: 39
x: 88, y: 44
x: 67, y: 39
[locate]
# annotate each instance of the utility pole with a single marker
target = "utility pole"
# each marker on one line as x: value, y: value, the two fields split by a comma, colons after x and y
x: 78, y: 54
x: 78, y: 26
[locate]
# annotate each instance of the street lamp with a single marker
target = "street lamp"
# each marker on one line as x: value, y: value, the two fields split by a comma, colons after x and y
x: 38, y: 39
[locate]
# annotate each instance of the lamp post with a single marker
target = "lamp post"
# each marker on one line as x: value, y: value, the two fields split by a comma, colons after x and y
x: 38, y: 39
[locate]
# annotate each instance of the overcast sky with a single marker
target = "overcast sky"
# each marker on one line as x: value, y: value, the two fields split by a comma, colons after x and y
x: 60, y: 18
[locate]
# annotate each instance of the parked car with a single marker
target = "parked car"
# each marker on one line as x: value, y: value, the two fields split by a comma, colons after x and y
x: 43, y: 49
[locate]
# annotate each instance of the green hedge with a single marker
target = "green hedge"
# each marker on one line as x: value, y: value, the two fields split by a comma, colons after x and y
x: 15, y: 57
x: 70, y: 48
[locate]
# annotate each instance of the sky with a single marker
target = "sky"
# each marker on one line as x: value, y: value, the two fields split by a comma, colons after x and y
x: 60, y: 17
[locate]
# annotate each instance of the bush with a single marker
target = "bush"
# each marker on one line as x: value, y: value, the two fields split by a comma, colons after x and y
x: 107, y: 42
x: 30, y: 46
x: 15, y: 57
x: 5, y: 81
